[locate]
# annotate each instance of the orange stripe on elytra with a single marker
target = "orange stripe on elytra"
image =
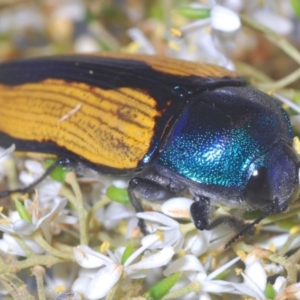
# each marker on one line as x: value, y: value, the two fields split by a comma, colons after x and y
x: 96, y: 131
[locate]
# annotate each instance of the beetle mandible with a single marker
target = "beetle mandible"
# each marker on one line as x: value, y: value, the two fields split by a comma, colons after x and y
x: 169, y: 125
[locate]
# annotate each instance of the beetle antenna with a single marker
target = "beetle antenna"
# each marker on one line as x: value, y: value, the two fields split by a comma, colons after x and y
x: 250, y: 226
x: 244, y: 231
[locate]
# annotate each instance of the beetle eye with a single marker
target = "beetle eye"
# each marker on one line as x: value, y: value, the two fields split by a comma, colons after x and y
x: 258, y: 192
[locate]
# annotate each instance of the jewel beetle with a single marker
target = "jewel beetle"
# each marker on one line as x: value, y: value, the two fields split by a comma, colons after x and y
x: 168, y: 125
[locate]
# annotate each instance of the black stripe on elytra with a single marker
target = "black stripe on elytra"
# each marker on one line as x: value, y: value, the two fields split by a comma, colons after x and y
x: 109, y: 73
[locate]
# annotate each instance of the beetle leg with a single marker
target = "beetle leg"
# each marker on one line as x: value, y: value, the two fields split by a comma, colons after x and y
x: 147, y: 189
x: 200, y: 212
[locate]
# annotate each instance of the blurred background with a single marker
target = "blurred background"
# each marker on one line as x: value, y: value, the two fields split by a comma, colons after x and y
x: 180, y: 28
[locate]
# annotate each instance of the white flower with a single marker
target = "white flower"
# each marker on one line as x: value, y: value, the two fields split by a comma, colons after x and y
x: 255, y: 277
x: 273, y: 21
x: 169, y: 228
x: 199, y: 242
x: 111, y: 267
x: 224, y: 19
x: 206, y: 37
x: 59, y: 279
x: 113, y: 213
x: 195, y: 271
x: 182, y: 236
x: 47, y: 189
x: 14, y: 225
x: 291, y: 292
x: 8, y: 244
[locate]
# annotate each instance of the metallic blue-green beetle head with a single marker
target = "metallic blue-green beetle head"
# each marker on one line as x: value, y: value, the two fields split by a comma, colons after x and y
x: 272, y: 178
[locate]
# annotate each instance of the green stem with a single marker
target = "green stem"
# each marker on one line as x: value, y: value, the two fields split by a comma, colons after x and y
x: 99, y: 204
x: 294, y: 209
x: 278, y: 40
x: 292, y: 267
x: 39, y: 273
x: 11, y: 173
x: 287, y: 244
x: 250, y: 72
x: 284, y: 45
x: 292, y: 272
x: 276, y: 85
x: 62, y: 247
x: 45, y: 260
x: 82, y: 214
x: 43, y: 243
x: 15, y: 287
x: 65, y: 192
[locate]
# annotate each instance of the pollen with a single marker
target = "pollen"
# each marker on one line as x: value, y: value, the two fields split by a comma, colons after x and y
x: 272, y: 247
x: 104, y: 246
x: 241, y: 254
x: 160, y: 235
x: 238, y: 271
x: 59, y: 289
x: 295, y: 229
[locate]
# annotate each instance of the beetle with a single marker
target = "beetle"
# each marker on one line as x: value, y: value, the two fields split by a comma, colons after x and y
x: 169, y: 125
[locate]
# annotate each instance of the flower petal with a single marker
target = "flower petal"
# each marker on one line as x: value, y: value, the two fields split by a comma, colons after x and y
x: 197, y: 243
x: 80, y: 284
x: 24, y: 227
x: 185, y: 263
x: 224, y: 19
x: 58, y: 207
x: 245, y: 289
x: 218, y: 287
x: 88, y: 258
x: 222, y: 268
x: 103, y: 281
x: 256, y: 274
x: 177, y: 207
x: 291, y: 292
x: 157, y: 217
x: 7, y: 151
x: 280, y: 284
x: 151, y: 239
x: 9, y: 245
x: 158, y: 259
x: 275, y: 22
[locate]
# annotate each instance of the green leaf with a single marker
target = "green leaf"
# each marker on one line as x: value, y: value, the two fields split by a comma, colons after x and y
x: 296, y: 6
x: 252, y: 215
x: 222, y: 275
x: 194, y: 13
x: 118, y: 195
x: 270, y: 293
x: 286, y: 224
x: 59, y: 172
x: 23, y: 213
x: 127, y: 252
x: 161, y: 288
